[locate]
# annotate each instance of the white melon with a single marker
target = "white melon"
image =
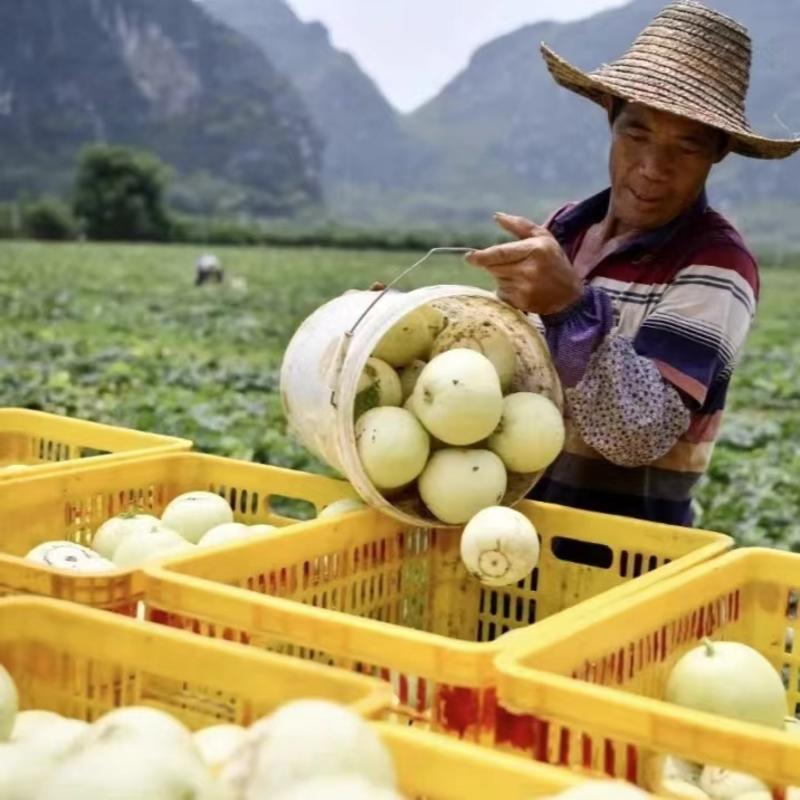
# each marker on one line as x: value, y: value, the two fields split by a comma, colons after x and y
x: 338, y: 787
x: 70, y: 556
x: 729, y: 679
x: 261, y: 528
x: 109, y: 535
x: 457, y: 397
x: 217, y: 743
x: 139, y: 548
x: 409, y: 375
x: 392, y: 445
x: 499, y: 546
x: 530, y: 434
x: 725, y: 784
x: 193, y: 513
x: 227, y: 532
x: 305, y: 740
x: 407, y: 339
x: 456, y: 484
x: 435, y: 318
x: 484, y: 337
x: 339, y: 507
x: 378, y: 385
x: 131, y: 769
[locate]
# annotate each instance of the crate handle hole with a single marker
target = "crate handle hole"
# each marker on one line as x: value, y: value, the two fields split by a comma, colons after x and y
x: 576, y: 551
x: 293, y: 507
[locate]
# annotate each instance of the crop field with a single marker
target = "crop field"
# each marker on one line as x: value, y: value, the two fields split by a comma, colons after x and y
x: 119, y: 333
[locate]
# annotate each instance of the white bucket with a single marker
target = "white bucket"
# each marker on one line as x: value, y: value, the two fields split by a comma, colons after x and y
x: 325, y: 358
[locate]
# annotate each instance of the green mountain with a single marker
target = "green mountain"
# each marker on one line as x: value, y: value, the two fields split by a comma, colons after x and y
x: 159, y: 75
x: 258, y: 112
x: 502, y: 134
x: 367, y: 148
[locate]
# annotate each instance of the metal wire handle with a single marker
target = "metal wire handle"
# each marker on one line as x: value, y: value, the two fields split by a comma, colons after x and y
x: 402, y: 275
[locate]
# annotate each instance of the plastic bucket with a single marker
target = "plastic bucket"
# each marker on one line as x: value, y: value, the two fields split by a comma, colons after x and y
x: 327, y: 354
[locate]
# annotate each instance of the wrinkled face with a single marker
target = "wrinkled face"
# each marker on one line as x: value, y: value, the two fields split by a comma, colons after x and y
x: 659, y: 164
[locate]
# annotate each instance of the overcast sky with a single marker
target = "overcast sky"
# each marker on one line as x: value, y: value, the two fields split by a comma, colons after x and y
x: 412, y: 48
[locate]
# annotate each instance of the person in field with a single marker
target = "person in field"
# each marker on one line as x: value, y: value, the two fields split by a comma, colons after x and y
x: 645, y: 292
x: 208, y: 268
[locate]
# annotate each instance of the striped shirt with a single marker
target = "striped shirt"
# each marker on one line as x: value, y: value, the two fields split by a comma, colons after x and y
x: 646, y: 357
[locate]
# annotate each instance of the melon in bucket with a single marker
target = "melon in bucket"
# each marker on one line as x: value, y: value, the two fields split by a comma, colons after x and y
x: 327, y: 355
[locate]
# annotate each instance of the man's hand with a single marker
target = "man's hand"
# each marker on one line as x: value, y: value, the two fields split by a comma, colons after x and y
x: 532, y: 274
x: 521, y: 227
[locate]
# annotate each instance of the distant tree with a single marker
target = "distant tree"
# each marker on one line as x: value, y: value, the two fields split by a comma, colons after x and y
x: 10, y: 222
x: 49, y: 218
x: 119, y: 194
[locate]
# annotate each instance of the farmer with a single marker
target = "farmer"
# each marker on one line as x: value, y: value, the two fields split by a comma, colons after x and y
x: 208, y: 268
x: 645, y: 292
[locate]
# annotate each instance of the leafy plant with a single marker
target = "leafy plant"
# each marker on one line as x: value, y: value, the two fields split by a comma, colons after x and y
x: 119, y: 194
x: 49, y: 218
x: 119, y: 334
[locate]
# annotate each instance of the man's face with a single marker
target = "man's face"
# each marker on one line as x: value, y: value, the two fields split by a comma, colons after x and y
x: 659, y: 164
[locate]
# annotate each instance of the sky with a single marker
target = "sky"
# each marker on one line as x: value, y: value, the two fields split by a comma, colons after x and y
x: 412, y: 48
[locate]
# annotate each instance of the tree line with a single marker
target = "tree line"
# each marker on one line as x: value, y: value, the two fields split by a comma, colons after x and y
x: 119, y: 194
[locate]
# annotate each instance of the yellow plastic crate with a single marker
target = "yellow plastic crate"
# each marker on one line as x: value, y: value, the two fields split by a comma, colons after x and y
x: 48, y: 442
x: 81, y: 662
x: 367, y: 593
x: 438, y: 767
x: 594, y: 682
x: 71, y: 505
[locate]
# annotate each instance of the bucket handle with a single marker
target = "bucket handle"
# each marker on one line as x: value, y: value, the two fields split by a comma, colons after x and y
x: 341, y: 351
x: 402, y: 275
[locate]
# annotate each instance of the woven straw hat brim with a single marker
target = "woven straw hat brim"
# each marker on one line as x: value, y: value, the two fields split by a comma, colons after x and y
x: 640, y: 85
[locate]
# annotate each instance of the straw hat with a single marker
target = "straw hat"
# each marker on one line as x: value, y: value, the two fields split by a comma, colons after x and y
x: 691, y: 61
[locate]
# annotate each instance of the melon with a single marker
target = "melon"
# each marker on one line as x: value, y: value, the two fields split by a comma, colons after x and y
x: 725, y: 784
x: 140, y: 548
x: 69, y: 556
x: 409, y: 375
x: 729, y: 679
x: 302, y: 741
x: 435, y: 319
x: 109, y: 535
x: 457, y: 483
x: 530, y: 434
x: 193, y: 513
x: 499, y: 546
x: 392, y: 445
x: 485, y: 338
x: 457, y: 397
x: 378, y: 385
x: 344, y: 506
x: 407, y: 339
x: 227, y: 532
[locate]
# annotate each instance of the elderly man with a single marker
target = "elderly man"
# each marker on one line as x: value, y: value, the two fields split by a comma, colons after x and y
x: 645, y: 292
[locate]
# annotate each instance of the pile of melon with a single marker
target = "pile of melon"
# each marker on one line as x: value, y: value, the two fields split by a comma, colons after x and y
x: 434, y: 411
x: 191, y: 520
x: 307, y: 749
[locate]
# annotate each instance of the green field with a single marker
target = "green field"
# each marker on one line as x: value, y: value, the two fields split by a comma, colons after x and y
x: 118, y: 333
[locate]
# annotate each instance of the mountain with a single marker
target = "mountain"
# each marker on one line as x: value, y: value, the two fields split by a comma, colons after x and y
x: 502, y: 134
x: 258, y: 112
x: 524, y: 140
x: 366, y: 144
x: 160, y: 75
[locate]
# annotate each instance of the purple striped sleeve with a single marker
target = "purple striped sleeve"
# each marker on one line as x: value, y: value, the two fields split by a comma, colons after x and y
x: 575, y: 333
